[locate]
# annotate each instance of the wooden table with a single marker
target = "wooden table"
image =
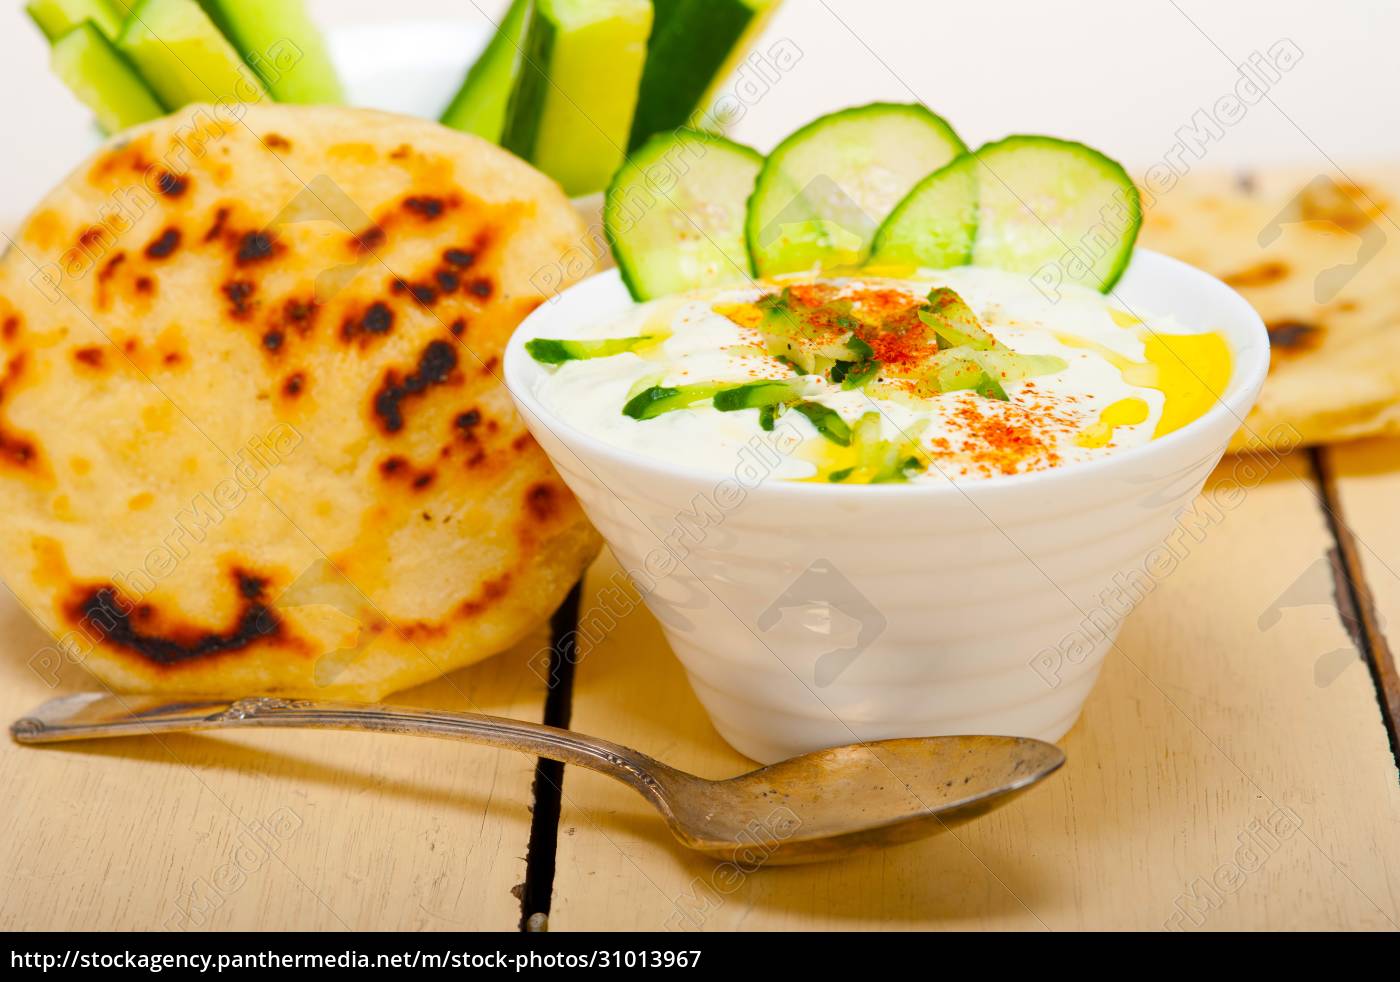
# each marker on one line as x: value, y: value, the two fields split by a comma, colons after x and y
x: 1233, y: 769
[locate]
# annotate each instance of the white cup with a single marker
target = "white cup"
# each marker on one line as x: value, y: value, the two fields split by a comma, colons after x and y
x: 810, y: 615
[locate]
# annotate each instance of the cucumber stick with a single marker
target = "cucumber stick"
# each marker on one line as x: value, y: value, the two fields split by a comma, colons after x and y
x: 693, y: 46
x: 183, y: 57
x: 1048, y: 202
x: 825, y: 189
x: 57, y: 17
x: 96, y: 72
x: 571, y: 112
x: 674, y: 213
x: 936, y: 223
x: 480, y: 104
x: 279, y: 41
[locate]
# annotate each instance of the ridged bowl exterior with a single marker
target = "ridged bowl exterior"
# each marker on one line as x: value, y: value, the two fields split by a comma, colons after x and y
x: 810, y: 616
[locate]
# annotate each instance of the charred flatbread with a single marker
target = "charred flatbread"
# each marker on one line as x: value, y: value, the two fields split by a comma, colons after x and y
x: 252, y: 433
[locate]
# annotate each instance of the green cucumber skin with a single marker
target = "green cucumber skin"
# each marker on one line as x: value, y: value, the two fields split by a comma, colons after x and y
x: 479, y: 107
x: 628, y: 265
x: 683, y: 61
x: 890, y: 244
x: 827, y: 421
x: 525, y: 107
x: 754, y: 223
x: 755, y: 395
x: 56, y: 18
x: 556, y: 351
x: 258, y: 27
x: 1112, y: 166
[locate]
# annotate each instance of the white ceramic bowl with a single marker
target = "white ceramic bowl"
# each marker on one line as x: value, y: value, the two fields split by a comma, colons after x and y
x: 809, y: 615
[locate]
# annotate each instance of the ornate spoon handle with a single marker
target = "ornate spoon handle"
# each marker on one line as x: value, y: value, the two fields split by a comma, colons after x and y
x: 89, y: 715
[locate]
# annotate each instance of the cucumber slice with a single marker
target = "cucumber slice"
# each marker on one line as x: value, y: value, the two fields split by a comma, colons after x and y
x: 658, y: 399
x: 757, y: 395
x: 1041, y: 197
x: 674, y: 213
x: 280, y: 42
x: 827, y: 421
x: 936, y: 223
x: 57, y: 17
x: 95, y: 70
x: 183, y: 57
x: 953, y: 321
x: 480, y: 104
x: 571, y: 112
x: 825, y: 189
x: 555, y: 351
x: 693, y: 46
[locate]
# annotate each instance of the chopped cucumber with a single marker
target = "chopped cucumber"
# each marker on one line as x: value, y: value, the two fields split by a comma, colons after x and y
x: 825, y: 189
x: 480, y: 104
x: 652, y: 402
x: 693, y: 46
x: 674, y: 213
x: 757, y: 395
x: 554, y: 351
x: 1014, y: 366
x: 881, y: 461
x: 57, y: 17
x: 95, y: 70
x: 989, y: 387
x: 955, y: 372
x: 280, y: 42
x: 1047, y: 203
x: 857, y: 374
x: 827, y: 421
x: 183, y: 57
x: 953, y: 321
x: 812, y: 339
x: 571, y: 112
x: 936, y: 223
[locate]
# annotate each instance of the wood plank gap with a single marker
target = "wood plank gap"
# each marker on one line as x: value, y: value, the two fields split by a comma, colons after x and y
x: 547, y: 790
x: 1353, y: 591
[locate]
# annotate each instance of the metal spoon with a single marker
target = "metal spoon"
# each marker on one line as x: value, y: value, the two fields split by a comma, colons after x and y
x: 814, y: 807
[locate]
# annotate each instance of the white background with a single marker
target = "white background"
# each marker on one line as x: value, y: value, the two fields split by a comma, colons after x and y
x: 1123, y: 75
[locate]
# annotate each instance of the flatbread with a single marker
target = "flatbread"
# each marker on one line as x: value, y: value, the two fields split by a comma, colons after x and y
x: 252, y: 433
x: 1319, y: 259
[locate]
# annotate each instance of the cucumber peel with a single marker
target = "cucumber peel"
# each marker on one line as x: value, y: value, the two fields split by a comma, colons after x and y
x: 827, y: 421
x: 570, y: 113
x: 556, y: 351
x: 692, y: 46
x: 757, y: 395
x: 479, y: 106
x: 279, y: 41
x: 658, y: 399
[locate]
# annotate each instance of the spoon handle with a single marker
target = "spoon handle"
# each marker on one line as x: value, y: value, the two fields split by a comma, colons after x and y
x: 90, y: 715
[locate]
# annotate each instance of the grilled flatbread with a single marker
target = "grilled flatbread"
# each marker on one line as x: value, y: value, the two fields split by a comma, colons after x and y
x: 252, y: 433
x: 1319, y: 259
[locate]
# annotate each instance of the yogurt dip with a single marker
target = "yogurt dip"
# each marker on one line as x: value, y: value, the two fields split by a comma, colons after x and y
x: 959, y: 374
